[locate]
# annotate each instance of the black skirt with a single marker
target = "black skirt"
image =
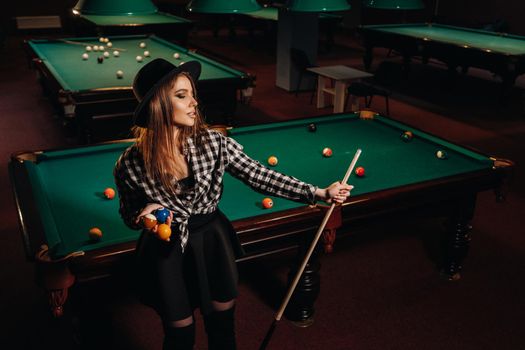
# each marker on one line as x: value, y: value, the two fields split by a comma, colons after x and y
x: 175, y: 283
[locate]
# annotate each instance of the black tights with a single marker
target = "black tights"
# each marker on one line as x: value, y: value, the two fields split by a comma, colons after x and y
x: 220, y: 327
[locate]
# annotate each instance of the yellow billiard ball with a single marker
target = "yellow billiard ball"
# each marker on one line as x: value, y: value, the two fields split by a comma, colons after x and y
x: 95, y: 234
x: 164, y: 232
x: 272, y: 160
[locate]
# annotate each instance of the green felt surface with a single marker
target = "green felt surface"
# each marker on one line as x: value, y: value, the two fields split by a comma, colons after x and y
x: 272, y: 13
x: 68, y: 184
x: 64, y: 60
x: 151, y: 18
x: 483, y: 40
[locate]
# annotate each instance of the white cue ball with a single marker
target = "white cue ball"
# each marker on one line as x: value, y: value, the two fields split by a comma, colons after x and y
x: 116, y: 53
x: 95, y: 48
x: 146, y: 53
x: 85, y: 56
x: 89, y: 48
x: 109, y: 44
x: 106, y: 54
x: 139, y: 58
x: 176, y: 55
x: 142, y: 45
x: 120, y: 74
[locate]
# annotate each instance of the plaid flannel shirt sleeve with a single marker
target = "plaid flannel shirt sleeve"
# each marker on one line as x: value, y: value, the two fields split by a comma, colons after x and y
x: 263, y: 179
x: 127, y: 178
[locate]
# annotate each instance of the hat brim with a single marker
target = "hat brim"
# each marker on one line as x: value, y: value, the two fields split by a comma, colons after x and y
x: 141, y: 115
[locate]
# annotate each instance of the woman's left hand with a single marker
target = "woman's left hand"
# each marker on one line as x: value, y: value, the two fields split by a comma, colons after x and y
x: 337, y: 193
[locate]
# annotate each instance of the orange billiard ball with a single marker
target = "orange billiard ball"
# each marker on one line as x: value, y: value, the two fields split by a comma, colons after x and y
x: 149, y: 221
x: 164, y: 232
x: 360, y: 171
x: 327, y: 152
x: 267, y: 203
x: 109, y: 193
x: 272, y: 160
x: 95, y: 234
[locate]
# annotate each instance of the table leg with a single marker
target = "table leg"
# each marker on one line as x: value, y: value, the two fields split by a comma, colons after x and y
x: 339, y: 98
x: 321, y: 81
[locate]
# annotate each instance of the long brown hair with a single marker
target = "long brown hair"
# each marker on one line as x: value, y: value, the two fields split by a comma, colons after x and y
x: 157, y: 142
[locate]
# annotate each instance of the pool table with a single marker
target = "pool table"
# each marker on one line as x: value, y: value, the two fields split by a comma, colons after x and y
x: 59, y: 197
x: 265, y: 21
x: 164, y: 25
x: 500, y: 53
x: 100, y: 104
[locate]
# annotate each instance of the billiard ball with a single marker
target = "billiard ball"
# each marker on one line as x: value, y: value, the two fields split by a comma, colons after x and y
x: 407, y: 136
x: 142, y: 45
x: 272, y: 160
x: 163, y: 232
x: 441, y: 154
x: 267, y: 203
x: 120, y: 74
x: 100, y: 59
x: 146, y: 53
x: 85, y: 56
x: 149, y: 221
x: 139, y: 58
x: 109, y: 44
x: 312, y: 127
x: 176, y: 56
x: 360, y: 171
x: 95, y: 234
x: 109, y: 193
x: 95, y: 48
x: 101, y: 39
x: 106, y: 54
x: 366, y: 114
x: 106, y: 40
x: 327, y: 152
x: 162, y: 214
x: 116, y: 53
x: 101, y: 48
x: 181, y: 63
x: 89, y: 48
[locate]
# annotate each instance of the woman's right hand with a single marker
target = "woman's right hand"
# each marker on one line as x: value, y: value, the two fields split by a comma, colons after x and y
x: 149, y: 209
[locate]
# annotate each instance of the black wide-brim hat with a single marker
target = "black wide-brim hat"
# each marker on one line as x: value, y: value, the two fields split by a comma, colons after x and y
x: 153, y: 75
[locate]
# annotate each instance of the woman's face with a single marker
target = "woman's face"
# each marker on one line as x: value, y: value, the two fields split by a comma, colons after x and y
x: 184, y: 104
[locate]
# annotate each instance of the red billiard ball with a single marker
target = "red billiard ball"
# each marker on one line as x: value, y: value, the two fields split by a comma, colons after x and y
x: 149, y: 221
x: 360, y: 171
x: 267, y: 203
x: 109, y: 193
x: 327, y: 152
x: 272, y: 160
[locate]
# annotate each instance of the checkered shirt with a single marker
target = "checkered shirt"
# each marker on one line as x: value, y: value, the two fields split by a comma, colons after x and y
x: 208, y: 161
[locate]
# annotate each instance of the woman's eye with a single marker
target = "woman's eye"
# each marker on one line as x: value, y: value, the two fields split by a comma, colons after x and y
x: 180, y: 96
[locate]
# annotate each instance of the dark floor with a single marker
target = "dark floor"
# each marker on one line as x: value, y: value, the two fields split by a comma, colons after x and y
x: 380, y: 289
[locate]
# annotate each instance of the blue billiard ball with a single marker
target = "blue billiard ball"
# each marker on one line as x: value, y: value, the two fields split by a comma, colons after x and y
x: 162, y: 215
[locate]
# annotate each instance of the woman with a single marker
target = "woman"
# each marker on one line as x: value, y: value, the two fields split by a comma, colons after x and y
x: 178, y: 163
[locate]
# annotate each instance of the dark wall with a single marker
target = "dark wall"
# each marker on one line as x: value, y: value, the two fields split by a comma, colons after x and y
x: 465, y: 12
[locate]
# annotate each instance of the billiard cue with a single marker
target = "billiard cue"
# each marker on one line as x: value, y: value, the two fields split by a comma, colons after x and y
x: 295, y: 281
x: 84, y: 44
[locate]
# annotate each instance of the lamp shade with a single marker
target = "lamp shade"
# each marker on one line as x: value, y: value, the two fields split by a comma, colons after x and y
x: 318, y: 5
x: 395, y: 4
x: 223, y: 6
x: 114, y: 7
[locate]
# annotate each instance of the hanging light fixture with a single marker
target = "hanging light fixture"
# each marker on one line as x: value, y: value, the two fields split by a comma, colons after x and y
x: 114, y: 7
x: 395, y: 4
x: 223, y: 6
x: 318, y: 5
